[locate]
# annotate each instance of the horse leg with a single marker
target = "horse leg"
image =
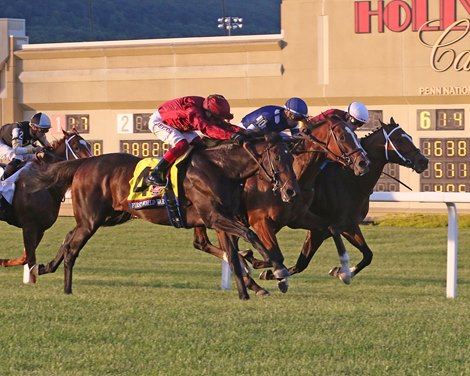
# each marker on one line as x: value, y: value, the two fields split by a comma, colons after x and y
x: 355, y: 237
x: 31, y: 239
x: 312, y: 242
x: 229, y: 243
x: 52, y: 265
x: 344, y: 272
x: 202, y: 242
x: 79, y: 237
x: 14, y: 262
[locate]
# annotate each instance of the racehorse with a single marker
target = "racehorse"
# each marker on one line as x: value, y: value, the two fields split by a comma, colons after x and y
x: 343, y: 199
x: 329, y: 139
x: 35, y: 212
x: 211, y: 187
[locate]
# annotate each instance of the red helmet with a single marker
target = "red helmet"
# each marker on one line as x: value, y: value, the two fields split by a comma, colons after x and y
x: 217, y: 105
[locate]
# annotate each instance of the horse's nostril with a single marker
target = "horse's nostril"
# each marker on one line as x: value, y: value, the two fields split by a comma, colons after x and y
x: 363, y: 164
x: 291, y: 193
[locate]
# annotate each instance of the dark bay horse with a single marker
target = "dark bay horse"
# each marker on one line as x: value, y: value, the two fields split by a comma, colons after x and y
x: 331, y: 139
x: 100, y: 187
x: 342, y: 199
x: 35, y: 212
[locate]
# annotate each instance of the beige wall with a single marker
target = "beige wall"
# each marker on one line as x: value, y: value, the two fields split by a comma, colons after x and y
x: 317, y: 56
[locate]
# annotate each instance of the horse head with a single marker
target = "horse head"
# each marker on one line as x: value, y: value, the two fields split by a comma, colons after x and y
x: 71, y: 146
x: 334, y: 137
x: 396, y: 146
x: 274, y: 160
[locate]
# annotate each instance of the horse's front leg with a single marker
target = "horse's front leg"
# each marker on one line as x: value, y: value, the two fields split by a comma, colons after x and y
x: 356, y: 238
x: 229, y: 244
x: 31, y: 239
x: 202, y: 242
x: 343, y: 272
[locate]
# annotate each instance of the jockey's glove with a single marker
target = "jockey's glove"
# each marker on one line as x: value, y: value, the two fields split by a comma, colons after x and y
x: 239, y: 138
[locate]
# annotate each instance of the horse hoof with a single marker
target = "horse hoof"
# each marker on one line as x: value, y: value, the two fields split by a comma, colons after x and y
x: 266, y: 275
x: 283, y: 285
x: 262, y: 292
x: 281, y: 273
x: 247, y: 254
x: 345, y: 277
x: 334, y: 271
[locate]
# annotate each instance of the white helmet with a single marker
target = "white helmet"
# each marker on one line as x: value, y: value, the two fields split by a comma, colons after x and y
x: 359, y: 112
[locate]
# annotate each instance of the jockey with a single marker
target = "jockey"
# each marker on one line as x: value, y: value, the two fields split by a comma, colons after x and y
x: 356, y: 115
x: 176, y: 122
x: 277, y: 119
x: 18, y: 141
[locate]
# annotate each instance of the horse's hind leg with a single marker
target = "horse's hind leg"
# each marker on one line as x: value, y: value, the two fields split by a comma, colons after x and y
x: 14, y: 262
x: 77, y: 240
x: 202, y: 242
x: 52, y: 265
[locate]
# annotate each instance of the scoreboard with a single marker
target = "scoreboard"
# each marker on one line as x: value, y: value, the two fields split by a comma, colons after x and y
x: 440, y: 133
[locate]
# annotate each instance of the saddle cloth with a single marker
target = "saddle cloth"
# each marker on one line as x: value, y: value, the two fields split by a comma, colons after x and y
x: 142, y: 196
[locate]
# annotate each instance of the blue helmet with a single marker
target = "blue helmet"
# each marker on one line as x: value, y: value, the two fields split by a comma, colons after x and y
x: 297, y: 107
x: 40, y: 120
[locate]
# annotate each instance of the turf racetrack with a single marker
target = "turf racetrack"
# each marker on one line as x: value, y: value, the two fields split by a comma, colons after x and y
x: 146, y: 303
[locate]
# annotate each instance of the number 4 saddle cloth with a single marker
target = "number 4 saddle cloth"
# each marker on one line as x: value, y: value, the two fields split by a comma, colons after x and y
x: 141, y: 196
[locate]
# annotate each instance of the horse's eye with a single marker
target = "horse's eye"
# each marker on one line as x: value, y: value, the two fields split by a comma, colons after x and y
x: 342, y: 138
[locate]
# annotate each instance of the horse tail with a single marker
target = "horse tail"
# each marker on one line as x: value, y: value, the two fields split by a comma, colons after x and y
x: 56, y: 175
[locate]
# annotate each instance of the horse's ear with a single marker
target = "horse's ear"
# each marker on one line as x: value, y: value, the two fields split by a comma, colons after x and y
x: 74, y: 130
x: 66, y: 134
x: 392, y: 121
x: 382, y: 123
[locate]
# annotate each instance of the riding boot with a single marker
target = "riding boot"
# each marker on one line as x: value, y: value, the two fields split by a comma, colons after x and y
x: 11, y: 168
x: 158, y: 175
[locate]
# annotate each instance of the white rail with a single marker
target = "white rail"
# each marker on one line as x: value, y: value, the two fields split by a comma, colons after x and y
x: 448, y: 198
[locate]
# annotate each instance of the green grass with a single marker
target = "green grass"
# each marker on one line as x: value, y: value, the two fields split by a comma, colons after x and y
x: 146, y: 303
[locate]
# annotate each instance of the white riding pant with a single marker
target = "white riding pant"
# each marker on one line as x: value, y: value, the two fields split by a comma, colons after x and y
x: 7, y: 152
x: 166, y: 133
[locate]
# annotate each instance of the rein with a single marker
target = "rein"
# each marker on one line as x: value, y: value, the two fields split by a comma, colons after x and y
x: 273, y: 178
x: 344, y: 159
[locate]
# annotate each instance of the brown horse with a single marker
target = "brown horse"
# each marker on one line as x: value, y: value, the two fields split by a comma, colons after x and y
x: 211, y: 186
x: 343, y: 199
x: 35, y: 212
x: 330, y: 139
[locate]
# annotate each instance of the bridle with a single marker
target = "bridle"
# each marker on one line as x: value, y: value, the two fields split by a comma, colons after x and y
x: 345, y: 158
x: 69, y: 149
x: 389, y: 143
x: 273, y: 174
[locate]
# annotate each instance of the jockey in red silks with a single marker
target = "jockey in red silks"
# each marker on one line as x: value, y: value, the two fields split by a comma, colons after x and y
x: 176, y: 122
x: 356, y: 115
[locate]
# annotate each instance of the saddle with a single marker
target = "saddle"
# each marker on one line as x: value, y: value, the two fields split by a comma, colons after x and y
x: 141, y: 196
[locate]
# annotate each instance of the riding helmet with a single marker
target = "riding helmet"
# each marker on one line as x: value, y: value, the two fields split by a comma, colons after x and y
x: 40, y: 120
x: 218, y: 105
x: 358, y: 111
x: 297, y: 107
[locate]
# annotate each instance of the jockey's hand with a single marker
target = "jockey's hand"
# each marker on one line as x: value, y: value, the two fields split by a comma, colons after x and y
x: 239, y: 138
x: 37, y: 149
